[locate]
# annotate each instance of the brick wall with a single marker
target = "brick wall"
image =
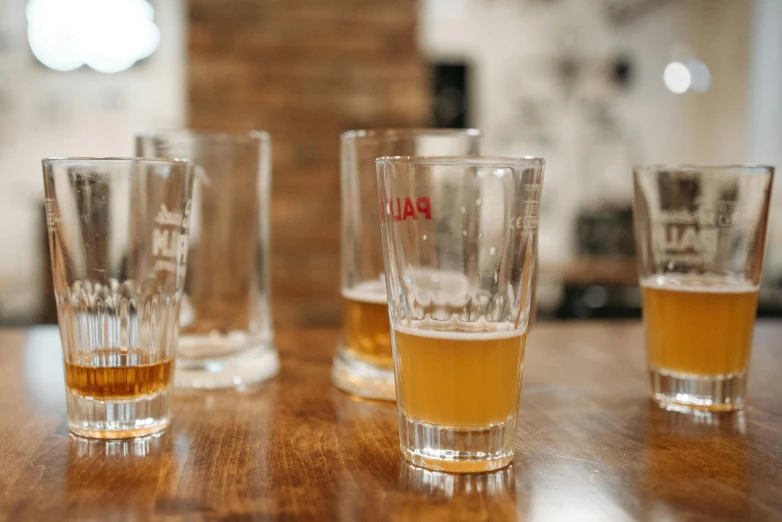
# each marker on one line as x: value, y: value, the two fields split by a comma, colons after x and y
x: 305, y: 70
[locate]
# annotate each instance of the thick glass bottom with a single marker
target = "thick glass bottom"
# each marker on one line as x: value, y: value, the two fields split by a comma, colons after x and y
x: 687, y: 392
x: 119, y: 419
x: 456, y: 450
x: 206, y: 362
x: 359, y: 378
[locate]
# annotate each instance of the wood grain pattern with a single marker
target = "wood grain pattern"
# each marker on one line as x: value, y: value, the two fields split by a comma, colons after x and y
x: 590, y: 445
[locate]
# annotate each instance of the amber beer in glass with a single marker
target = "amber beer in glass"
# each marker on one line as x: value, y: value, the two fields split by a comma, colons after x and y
x: 700, y: 236
x: 459, y: 378
x: 459, y: 284
x: 363, y: 362
x: 366, y: 334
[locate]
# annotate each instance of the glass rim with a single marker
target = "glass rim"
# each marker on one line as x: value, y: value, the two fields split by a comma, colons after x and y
x: 220, y: 135
x: 475, y: 161
x: 116, y: 160
x: 409, y: 132
x: 749, y: 168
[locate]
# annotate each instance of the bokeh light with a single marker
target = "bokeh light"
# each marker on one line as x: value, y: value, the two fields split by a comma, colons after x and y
x: 107, y: 35
x: 677, y: 77
x: 701, y: 76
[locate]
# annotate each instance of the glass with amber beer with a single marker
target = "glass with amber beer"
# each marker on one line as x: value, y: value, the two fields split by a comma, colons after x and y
x: 460, y: 239
x: 363, y: 363
x: 118, y: 236
x: 700, y: 233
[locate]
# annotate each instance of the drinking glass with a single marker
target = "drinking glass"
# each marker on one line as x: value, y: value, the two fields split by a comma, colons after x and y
x: 118, y: 241
x: 226, y: 326
x: 459, y: 239
x: 700, y: 233
x: 363, y: 363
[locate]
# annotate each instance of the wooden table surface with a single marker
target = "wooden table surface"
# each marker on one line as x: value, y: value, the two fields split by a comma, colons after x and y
x: 590, y: 445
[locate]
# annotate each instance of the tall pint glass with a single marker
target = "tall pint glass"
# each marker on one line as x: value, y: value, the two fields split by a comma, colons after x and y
x: 700, y: 233
x: 363, y: 363
x: 226, y: 338
x: 460, y: 238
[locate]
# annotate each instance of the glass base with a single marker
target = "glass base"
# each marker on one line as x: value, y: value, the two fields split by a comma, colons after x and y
x: 239, y: 368
x: 688, y: 392
x: 120, y: 419
x: 456, y: 450
x: 361, y: 379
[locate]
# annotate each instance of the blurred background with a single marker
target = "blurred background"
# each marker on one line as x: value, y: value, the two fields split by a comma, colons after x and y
x: 591, y: 85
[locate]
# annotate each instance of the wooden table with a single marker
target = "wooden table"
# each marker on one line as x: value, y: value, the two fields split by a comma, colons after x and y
x: 590, y: 445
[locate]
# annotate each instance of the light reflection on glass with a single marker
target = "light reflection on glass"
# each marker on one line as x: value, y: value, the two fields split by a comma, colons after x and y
x: 136, y: 447
x: 436, y: 485
x: 692, y: 422
x: 431, y: 495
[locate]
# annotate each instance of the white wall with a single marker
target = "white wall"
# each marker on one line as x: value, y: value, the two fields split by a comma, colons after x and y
x: 764, y: 136
x: 80, y: 113
x: 514, y: 46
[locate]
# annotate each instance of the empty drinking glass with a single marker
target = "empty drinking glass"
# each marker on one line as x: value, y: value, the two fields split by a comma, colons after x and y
x: 226, y: 326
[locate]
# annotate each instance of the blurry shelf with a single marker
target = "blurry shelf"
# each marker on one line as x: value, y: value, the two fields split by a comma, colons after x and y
x: 587, y: 271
